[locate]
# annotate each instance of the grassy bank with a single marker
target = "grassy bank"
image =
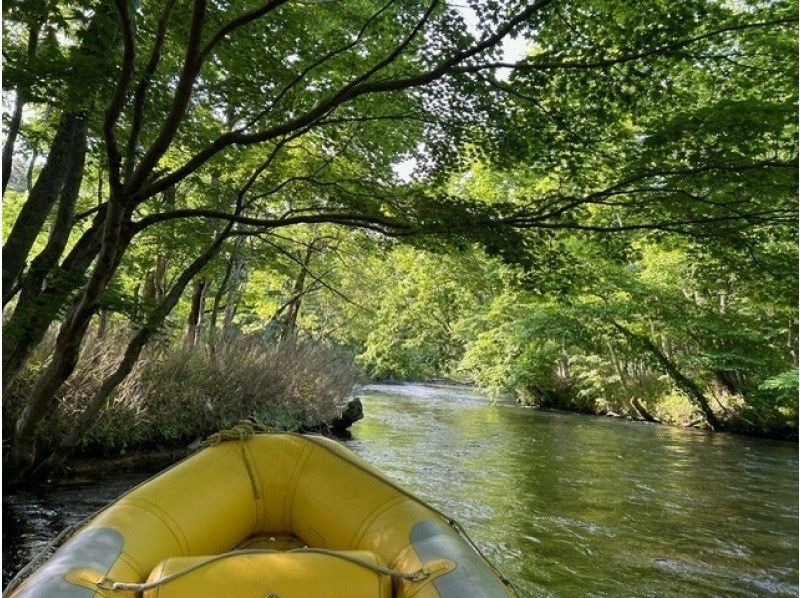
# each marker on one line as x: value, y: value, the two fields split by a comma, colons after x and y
x: 177, y: 395
x: 769, y: 410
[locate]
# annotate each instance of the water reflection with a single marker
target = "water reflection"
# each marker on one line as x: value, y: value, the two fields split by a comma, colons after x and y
x: 575, y: 505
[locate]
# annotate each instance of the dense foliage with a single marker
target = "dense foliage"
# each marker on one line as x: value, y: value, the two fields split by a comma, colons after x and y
x: 605, y: 222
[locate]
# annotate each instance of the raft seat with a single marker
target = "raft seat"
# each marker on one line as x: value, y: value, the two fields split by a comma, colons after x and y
x: 279, y: 574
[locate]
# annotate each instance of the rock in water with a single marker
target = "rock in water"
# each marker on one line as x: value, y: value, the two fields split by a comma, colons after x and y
x: 352, y: 412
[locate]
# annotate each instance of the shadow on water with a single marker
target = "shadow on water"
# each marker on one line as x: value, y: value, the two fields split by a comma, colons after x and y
x: 567, y: 505
x: 32, y: 519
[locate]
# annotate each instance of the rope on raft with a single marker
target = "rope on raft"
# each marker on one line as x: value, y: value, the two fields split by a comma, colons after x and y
x: 122, y: 586
x: 453, y: 523
x: 244, y: 429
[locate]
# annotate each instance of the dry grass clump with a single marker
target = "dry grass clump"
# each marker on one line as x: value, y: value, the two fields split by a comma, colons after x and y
x: 176, y: 395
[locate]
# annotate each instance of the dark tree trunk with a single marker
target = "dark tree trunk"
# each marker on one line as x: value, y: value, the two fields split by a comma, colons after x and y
x: 66, y: 156
x: 115, y: 240
x: 684, y: 383
x: 68, y: 150
x: 195, y: 319
x: 38, y: 307
x: 641, y: 410
x: 727, y: 380
x: 85, y: 420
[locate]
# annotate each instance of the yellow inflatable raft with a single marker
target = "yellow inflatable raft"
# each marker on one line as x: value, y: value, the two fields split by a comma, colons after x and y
x: 272, y: 515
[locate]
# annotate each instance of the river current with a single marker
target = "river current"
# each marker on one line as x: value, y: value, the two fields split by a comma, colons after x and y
x: 563, y: 504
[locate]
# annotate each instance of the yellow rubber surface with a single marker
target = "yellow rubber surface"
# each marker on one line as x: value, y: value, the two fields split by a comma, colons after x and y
x: 290, y: 488
x: 282, y: 574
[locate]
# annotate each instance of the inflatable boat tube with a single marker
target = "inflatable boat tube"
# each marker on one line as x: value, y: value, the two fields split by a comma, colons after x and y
x: 272, y: 515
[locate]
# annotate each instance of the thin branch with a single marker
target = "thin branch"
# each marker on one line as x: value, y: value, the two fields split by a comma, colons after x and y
x: 118, y: 99
x: 321, y: 60
x: 538, y: 63
x: 667, y: 225
x: 345, y: 94
x: 316, y: 279
x: 89, y: 212
x: 144, y: 83
x: 236, y: 23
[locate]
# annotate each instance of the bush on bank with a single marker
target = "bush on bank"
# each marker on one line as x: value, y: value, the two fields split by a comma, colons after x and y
x: 176, y: 395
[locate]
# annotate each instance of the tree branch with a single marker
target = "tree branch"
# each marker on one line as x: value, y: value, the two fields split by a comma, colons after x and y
x: 538, y: 64
x: 183, y: 92
x: 236, y: 23
x: 118, y: 99
x: 347, y: 93
x: 144, y: 83
x: 379, y: 224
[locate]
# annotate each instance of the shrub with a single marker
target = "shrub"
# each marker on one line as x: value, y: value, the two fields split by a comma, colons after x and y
x: 176, y: 395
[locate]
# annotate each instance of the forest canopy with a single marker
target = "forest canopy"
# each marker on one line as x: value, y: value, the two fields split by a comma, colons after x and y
x: 606, y: 221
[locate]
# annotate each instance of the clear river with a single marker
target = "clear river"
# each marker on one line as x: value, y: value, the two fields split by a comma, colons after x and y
x: 563, y: 504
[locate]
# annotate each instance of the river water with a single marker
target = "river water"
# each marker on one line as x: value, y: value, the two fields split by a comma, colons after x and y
x: 565, y: 505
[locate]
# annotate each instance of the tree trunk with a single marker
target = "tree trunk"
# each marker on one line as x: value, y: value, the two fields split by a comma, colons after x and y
x: 237, y: 279
x: 115, y: 240
x: 29, y: 172
x: 215, y: 306
x: 162, y: 261
x: 149, y: 290
x: 85, y: 420
x: 684, y: 383
x: 641, y: 410
x: 293, y: 311
x: 102, y: 324
x: 637, y: 406
x: 38, y: 307
x: 64, y: 154
x: 727, y: 380
x: 11, y: 138
x: 196, y: 310
x: 68, y: 150
x: 16, y: 117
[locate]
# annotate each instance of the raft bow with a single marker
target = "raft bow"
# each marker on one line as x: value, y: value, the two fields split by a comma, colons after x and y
x: 275, y: 515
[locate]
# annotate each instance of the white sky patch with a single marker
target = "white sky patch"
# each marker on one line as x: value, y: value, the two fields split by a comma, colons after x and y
x: 404, y: 169
x: 513, y: 48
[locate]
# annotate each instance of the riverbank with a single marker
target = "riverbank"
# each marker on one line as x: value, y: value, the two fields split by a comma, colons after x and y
x: 88, y: 468
x: 675, y: 411
x: 732, y: 423
x: 177, y: 395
